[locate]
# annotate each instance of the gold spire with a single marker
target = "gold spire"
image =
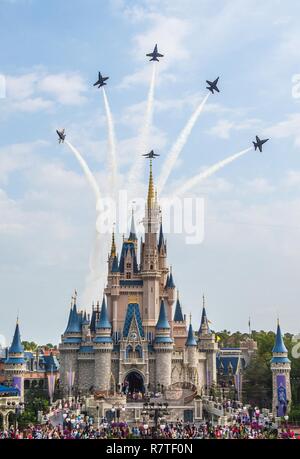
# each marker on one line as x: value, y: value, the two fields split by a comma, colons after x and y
x: 113, y: 251
x: 151, y: 192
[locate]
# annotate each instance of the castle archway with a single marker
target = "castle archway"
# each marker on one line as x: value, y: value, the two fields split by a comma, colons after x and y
x: 134, y: 382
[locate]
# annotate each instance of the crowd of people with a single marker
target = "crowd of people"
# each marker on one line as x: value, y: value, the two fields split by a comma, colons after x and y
x: 178, y: 430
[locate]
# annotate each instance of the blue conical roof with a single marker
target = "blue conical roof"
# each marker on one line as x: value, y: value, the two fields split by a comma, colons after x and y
x: 171, y: 281
x: 163, y: 318
x: 204, y: 321
x: 191, y: 338
x: 161, y: 240
x: 279, y: 346
x: 178, y: 316
x: 115, y: 265
x: 16, y: 345
x: 103, y: 319
x: 74, y: 324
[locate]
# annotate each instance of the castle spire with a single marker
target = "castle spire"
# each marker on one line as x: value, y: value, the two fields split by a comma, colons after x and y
x: 191, y: 337
x: 204, y: 328
x: 132, y: 234
x: 103, y: 320
x: 163, y: 318
x: 279, y: 346
x: 16, y: 345
x: 178, y: 316
x: 151, y: 192
x: 113, y: 250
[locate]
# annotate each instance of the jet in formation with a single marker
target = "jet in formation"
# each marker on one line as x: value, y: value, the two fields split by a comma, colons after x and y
x: 259, y: 143
x: 151, y: 155
x: 154, y: 55
x: 212, y: 85
x: 61, y: 135
x: 101, y: 80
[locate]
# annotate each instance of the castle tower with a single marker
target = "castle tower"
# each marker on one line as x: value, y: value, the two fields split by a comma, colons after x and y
x: 14, y: 365
x: 207, y: 343
x: 191, y: 346
x: 70, y: 344
x: 103, y: 346
x: 163, y: 346
x: 281, y: 368
x: 150, y: 271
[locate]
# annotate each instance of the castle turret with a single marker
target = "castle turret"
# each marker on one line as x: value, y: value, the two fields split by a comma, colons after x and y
x: 15, y: 365
x: 281, y: 368
x: 207, y: 343
x: 103, y: 345
x: 191, y: 346
x: 163, y: 345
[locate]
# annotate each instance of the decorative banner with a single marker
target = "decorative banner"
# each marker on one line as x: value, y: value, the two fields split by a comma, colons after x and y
x: 237, y: 383
x: 18, y: 383
x: 51, y: 385
x: 71, y: 378
x: 281, y: 395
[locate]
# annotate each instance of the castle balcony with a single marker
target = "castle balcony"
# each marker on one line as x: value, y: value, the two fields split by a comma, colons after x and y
x: 134, y: 361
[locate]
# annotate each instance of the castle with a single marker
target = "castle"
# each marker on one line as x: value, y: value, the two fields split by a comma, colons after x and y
x: 139, y: 341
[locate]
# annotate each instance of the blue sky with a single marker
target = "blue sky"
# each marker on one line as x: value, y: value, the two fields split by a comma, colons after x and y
x: 50, y: 55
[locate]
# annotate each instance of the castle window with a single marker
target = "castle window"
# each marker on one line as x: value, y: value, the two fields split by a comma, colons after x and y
x: 151, y: 267
x: 139, y: 351
x: 128, y: 275
x: 129, y: 352
x: 128, y: 265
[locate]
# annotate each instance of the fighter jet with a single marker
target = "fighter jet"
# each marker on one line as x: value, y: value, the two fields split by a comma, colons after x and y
x: 259, y: 143
x: 154, y: 55
x: 61, y: 135
x: 101, y: 80
x: 212, y: 85
x: 151, y: 155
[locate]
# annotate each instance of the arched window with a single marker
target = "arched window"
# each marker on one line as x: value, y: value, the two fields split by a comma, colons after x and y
x: 139, y: 351
x: 129, y: 351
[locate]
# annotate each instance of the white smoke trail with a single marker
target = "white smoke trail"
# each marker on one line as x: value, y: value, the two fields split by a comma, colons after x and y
x: 143, y: 143
x: 178, y: 146
x: 111, y: 143
x: 87, y: 172
x: 208, y: 172
x: 95, y: 278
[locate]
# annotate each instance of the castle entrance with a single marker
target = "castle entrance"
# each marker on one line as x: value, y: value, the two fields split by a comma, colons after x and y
x: 134, y: 383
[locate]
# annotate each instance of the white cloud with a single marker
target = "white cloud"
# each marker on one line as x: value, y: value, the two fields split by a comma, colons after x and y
x: 39, y: 90
x: 224, y: 127
x: 290, y: 127
x: 67, y: 89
